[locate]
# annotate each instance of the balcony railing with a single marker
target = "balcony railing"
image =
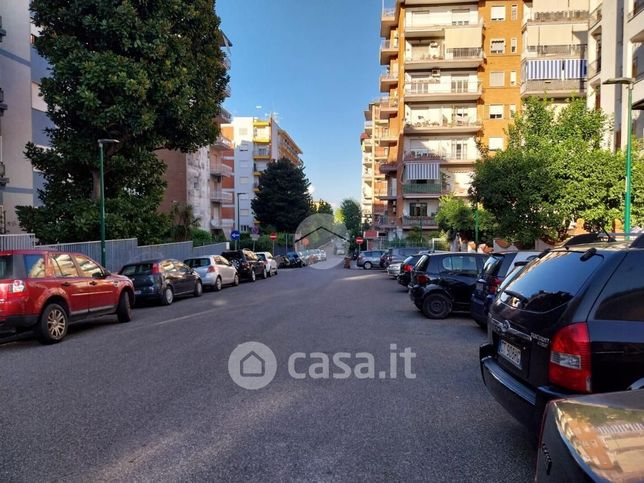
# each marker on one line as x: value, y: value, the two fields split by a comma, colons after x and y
x: 548, y: 86
x: 442, y: 87
x: 454, y: 152
x: 440, y: 21
x: 453, y: 53
x: 261, y: 153
x: 595, y: 17
x: 219, y: 196
x: 384, y: 221
x: 389, y: 45
x: 381, y: 153
x: 389, y: 76
x: 389, y: 103
x: 594, y: 68
x: 547, y: 50
x: 222, y: 142
x: 453, y: 121
x: 220, y: 169
x: 425, y: 188
x: 423, y: 155
x: 419, y: 221
x: 389, y: 13
x: 388, y: 168
x: 563, y: 16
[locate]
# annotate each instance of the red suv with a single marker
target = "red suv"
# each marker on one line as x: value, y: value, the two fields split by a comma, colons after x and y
x: 45, y: 291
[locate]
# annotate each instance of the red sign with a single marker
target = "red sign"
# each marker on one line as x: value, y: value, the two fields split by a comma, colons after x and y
x: 359, y: 240
x: 273, y: 236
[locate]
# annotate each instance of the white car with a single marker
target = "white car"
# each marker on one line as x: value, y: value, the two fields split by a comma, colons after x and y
x: 215, y: 271
x: 271, y: 263
x: 394, y: 269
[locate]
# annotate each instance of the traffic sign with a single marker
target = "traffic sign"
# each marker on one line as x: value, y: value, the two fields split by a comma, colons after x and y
x: 273, y: 236
x: 235, y: 235
x: 359, y: 240
x: 254, y: 236
x: 254, y: 230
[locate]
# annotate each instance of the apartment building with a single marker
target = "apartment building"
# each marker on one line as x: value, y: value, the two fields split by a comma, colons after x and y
x: 373, y: 181
x: 23, y: 113
x: 197, y: 179
x: 257, y: 142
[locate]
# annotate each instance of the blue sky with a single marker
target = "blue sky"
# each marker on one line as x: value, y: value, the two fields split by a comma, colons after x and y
x: 315, y: 63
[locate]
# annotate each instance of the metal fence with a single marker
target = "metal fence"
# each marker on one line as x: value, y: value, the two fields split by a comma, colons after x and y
x: 117, y: 252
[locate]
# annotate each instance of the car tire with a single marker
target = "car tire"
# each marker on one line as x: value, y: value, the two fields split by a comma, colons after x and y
x: 217, y: 286
x: 367, y: 265
x: 236, y: 280
x: 253, y: 276
x: 198, y: 291
x: 264, y: 274
x: 167, y: 296
x: 124, y: 308
x: 481, y: 324
x: 52, y: 324
x: 436, y: 306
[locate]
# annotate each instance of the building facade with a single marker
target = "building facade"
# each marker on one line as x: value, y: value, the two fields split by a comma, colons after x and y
x: 23, y: 112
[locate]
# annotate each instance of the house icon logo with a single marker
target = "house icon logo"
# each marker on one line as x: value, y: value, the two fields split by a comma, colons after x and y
x: 252, y: 365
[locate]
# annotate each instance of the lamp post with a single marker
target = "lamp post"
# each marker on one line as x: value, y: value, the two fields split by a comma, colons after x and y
x: 628, y: 82
x: 101, y: 182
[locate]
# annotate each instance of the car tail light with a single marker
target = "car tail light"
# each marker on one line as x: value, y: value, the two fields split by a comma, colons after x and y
x: 211, y: 269
x: 407, y: 268
x: 422, y: 279
x: 155, y: 268
x: 570, y: 358
x: 493, y: 285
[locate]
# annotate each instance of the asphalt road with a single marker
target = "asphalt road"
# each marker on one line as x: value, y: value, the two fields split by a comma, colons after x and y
x: 152, y: 400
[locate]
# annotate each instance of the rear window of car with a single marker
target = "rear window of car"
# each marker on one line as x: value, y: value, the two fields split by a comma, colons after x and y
x: 261, y: 256
x: 623, y: 296
x: 197, y: 262
x: 492, y: 265
x: 232, y: 255
x: 552, y: 281
x: 412, y: 260
x: 137, y: 269
x: 6, y: 266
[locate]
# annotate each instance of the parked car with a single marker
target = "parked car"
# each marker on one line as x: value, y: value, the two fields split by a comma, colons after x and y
x: 496, y: 268
x: 570, y: 322
x: 215, y: 271
x: 593, y: 438
x: 282, y: 261
x: 369, y: 259
x: 392, y: 255
x: 248, y: 265
x: 406, y: 268
x: 47, y: 291
x: 393, y: 270
x: 443, y: 283
x: 162, y: 280
x: 323, y: 255
x: 271, y: 263
x: 294, y: 260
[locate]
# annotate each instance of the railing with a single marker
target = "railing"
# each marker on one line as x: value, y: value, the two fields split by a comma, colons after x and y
x: 388, y: 167
x: 438, y: 87
x: 463, y: 52
x: 594, y: 68
x: 438, y: 20
x: 219, y: 196
x: 425, y: 188
x: 220, y: 169
x: 261, y: 153
x: 423, y: 155
x: 638, y: 6
x: 389, y: 13
x: 368, y: 125
x: 224, y: 116
x: 223, y: 142
x: 389, y: 103
x: 595, y: 17
x: 451, y: 152
x: 419, y: 221
x: 544, y: 50
x: 389, y: 76
x: 381, y: 153
x: 452, y: 53
x: 21, y: 241
x: 562, y: 16
x: 384, y: 220
x: 540, y: 86
x: 386, y: 133
x: 454, y: 121
x: 389, y: 45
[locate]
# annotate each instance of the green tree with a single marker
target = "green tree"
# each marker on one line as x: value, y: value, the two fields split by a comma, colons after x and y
x: 321, y: 207
x: 283, y: 198
x: 149, y: 74
x: 456, y: 216
x: 351, y: 214
x: 184, y: 222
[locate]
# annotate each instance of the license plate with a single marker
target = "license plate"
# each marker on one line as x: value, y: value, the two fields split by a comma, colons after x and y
x: 479, y: 286
x: 510, y: 352
x: 137, y: 292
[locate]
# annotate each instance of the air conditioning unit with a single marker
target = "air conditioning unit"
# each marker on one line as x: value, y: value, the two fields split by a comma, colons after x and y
x: 436, y: 72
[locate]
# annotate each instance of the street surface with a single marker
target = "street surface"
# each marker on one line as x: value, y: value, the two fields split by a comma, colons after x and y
x: 152, y: 400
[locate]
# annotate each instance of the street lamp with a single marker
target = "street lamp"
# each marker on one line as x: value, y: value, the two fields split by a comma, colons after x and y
x: 238, y: 219
x: 101, y: 143
x: 628, y: 82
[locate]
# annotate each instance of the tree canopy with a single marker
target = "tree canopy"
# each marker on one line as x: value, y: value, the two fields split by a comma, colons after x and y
x: 456, y: 216
x: 149, y: 74
x: 321, y: 207
x: 282, y: 200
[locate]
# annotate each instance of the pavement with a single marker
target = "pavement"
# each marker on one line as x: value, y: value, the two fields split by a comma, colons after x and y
x: 152, y: 400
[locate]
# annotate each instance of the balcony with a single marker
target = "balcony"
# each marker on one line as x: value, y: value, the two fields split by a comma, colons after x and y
x: 219, y: 196
x: 381, y: 154
x: 433, y: 90
x: 555, y: 88
x: 224, y: 117
x: 453, y: 125
x: 594, y: 68
x: 419, y: 221
x: 436, y: 25
x: 424, y: 190
x: 388, y: 80
x: 368, y: 125
x: 564, y: 16
x: 452, y: 154
x: 575, y: 51
x: 635, y: 25
x: 222, y: 143
x: 388, y: 50
x: 388, y: 21
x: 388, y: 195
x: 387, y: 137
x: 461, y: 57
x: 220, y: 169
x: 222, y: 223
x: 384, y: 221
x: 386, y: 168
x: 594, y: 18
x: 367, y: 145
x: 388, y: 107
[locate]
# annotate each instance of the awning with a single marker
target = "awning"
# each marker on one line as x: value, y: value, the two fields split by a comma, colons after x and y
x: 555, y: 69
x: 422, y: 171
x: 463, y: 37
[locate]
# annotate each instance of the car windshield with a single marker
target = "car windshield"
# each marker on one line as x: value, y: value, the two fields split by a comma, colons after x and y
x: 232, y: 255
x: 6, y: 266
x: 136, y: 269
x: 197, y: 262
x: 261, y: 256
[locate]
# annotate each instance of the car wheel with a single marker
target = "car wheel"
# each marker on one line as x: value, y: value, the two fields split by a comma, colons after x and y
x: 253, y: 276
x: 52, y: 325
x: 217, y: 286
x: 198, y: 292
x: 236, y: 280
x: 437, y: 306
x: 124, y: 309
x: 367, y: 265
x: 264, y: 274
x: 167, y: 296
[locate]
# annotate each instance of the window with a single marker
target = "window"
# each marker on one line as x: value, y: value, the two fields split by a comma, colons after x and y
x: 417, y: 209
x: 88, y: 267
x: 498, y: 13
x: 243, y: 180
x: 514, y: 12
x: 513, y: 45
x: 497, y: 79
x: 496, y: 111
x: 497, y: 46
x: 622, y: 296
x: 495, y: 144
x: 64, y: 265
x: 460, y: 16
x: 464, y: 264
x: 37, y: 101
x: 513, y: 78
x: 35, y: 266
x: 244, y: 212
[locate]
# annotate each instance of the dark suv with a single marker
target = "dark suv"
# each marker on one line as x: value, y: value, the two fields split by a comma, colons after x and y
x: 247, y: 263
x: 46, y: 291
x: 395, y: 255
x: 571, y: 322
x: 442, y: 283
x: 163, y: 280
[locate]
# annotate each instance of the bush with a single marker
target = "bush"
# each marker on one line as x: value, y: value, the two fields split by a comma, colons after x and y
x: 201, y: 237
